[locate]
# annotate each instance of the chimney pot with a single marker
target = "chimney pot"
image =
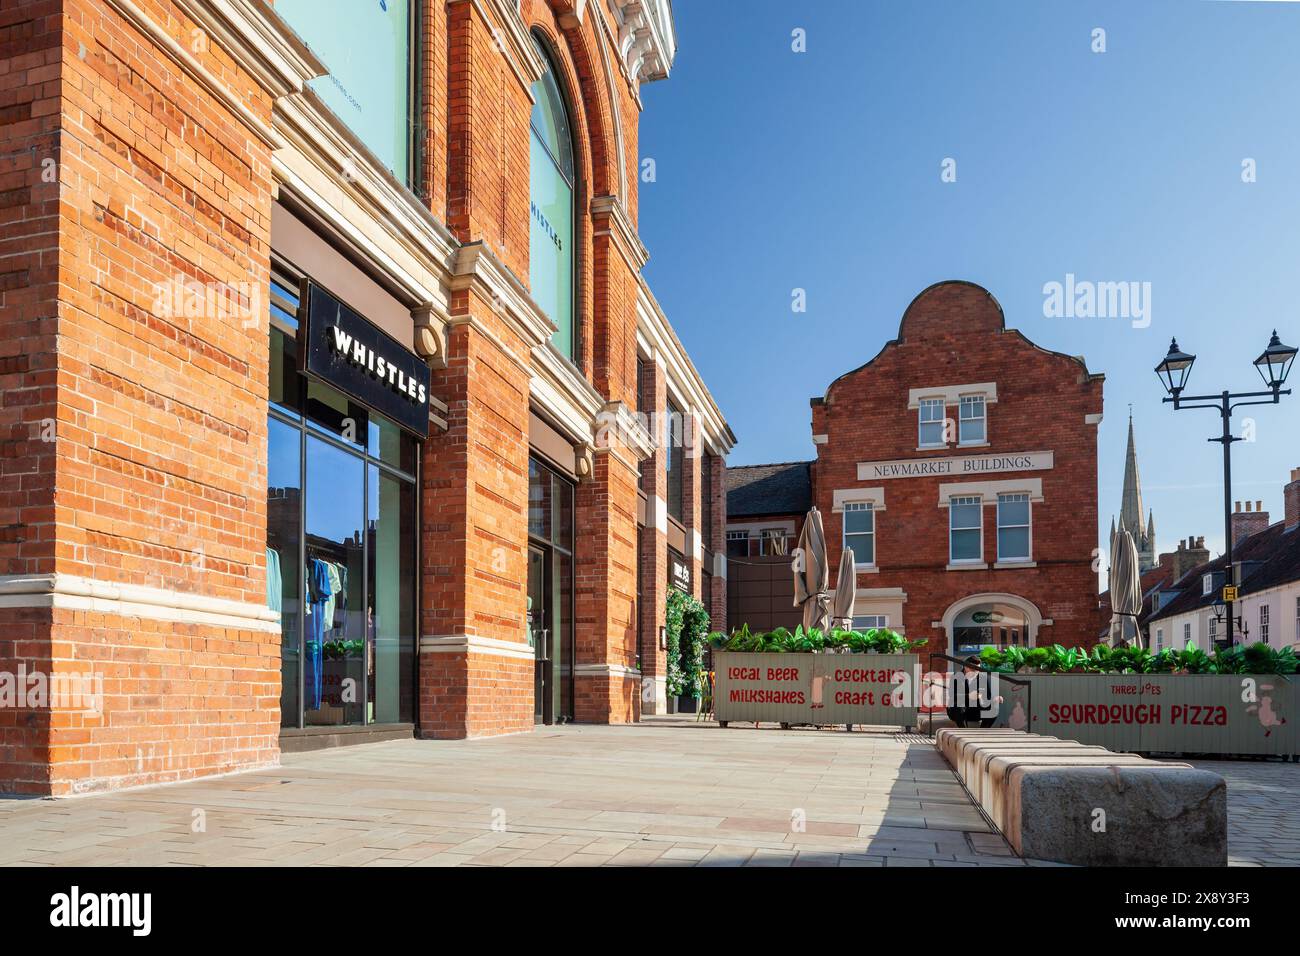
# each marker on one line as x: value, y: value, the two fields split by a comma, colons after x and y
x: 1237, y: 506
x: 1259, y: 506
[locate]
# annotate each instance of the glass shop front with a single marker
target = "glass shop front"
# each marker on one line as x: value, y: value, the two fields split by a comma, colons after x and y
x: 342, y: 510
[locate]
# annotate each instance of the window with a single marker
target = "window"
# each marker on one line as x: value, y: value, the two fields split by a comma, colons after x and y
x: 1207, y: 583
x: 737, y: 544
x: 551, y: 186
x: 773, y: 541
x: 368, y: 87
x: 860, y: 531
x: 1160, y: 639
x: 1013, y: 527
x: 1297, y: 620
x: 1187, y: 633
x: 864, y: 621
x: 1263, y: 623
x: 931, y: 411
x: 1214, y: 628
x: 674, y: 460
x: 970, y: 422
x: 965, y: 529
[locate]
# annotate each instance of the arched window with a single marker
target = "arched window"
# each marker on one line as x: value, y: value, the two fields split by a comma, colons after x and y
x: 551, y: 205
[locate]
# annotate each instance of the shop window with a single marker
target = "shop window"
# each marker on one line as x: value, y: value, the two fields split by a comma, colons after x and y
x: 965, y: 529
x: 551, y: 184
x: 971, y: 421
x: 1013, y: 527
x: 342, y: 529
x: 368, y: 54
x: 860, y: 532
x: 931, y: 423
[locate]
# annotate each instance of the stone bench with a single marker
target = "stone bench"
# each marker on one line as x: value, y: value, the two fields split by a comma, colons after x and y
x: 1066, y: 802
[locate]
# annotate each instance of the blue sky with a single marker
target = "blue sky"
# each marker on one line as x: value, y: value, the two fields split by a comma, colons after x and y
x: 820, y: 170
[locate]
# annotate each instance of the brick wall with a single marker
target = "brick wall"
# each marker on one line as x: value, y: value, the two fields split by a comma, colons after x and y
x: 158, y: 464
x: 953, y: 334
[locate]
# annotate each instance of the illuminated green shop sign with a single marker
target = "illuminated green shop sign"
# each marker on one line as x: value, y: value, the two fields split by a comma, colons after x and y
x: 367, y: 51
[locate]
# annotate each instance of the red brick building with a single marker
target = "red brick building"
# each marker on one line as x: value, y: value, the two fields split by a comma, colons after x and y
x: 312, y: 372
x: 960, y: 464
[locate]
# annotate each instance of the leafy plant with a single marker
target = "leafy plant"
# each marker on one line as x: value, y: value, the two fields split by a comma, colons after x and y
x: 687, y: 624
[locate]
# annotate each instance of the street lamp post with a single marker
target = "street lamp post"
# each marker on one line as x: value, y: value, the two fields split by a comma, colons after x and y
x: 1273, y: 366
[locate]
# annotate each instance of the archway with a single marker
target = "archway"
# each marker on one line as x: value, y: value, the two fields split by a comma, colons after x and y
x: 996, y: 619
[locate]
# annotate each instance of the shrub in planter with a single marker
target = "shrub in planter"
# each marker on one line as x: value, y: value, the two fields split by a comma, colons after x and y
x: 813, y: 641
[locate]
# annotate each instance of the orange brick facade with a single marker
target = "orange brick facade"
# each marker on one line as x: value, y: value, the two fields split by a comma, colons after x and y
x: 144, y: 144
x: 953, y: 339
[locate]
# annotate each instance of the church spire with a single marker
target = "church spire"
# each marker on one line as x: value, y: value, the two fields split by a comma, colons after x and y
x: 1130, y: 511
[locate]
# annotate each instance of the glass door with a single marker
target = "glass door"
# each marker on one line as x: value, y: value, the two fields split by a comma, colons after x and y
x: 539, y: 633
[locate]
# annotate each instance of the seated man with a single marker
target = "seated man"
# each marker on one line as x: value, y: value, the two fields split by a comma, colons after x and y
x: 967, y: 708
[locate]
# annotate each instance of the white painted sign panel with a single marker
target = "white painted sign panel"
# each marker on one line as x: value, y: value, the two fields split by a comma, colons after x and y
x: 965, y: 466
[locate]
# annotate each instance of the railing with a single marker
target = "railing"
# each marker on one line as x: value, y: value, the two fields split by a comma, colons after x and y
x: 1029, y: 685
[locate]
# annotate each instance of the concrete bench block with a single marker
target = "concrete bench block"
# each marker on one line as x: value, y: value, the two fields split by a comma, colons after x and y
x: 975, y: 762
x: 1154, y: 815
x: 949, y: 740
x: 992, y: 795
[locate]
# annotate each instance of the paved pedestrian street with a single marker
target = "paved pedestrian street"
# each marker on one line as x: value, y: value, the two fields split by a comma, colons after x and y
x: 667, y: 792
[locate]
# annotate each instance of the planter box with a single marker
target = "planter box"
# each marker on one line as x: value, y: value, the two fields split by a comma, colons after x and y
x: 816, y: 688
x: 1253, y: 714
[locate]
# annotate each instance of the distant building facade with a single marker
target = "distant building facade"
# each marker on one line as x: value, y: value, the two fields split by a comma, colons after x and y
x: 960, y: 465
x: 1266, y: 568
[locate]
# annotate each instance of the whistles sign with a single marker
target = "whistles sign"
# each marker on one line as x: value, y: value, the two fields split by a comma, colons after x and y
x: 343, y: 349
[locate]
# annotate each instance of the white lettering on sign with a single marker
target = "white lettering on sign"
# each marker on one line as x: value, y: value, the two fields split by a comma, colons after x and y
x: 357, y: 353
x: 946, y: 467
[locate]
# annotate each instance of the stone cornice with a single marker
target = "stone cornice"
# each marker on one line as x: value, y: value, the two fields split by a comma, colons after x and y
x: 609, y: 218
x: 647, y: 40
x: 259, y: 41
x: 474, y: 263
x: 327, y: 170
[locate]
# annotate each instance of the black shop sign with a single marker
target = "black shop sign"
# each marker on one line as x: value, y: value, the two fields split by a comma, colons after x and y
x: 340, y: 347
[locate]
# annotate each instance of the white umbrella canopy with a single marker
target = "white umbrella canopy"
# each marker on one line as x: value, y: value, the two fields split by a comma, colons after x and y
x: 810, y: 573
x: 1125, y: 591
x: 846, y: 587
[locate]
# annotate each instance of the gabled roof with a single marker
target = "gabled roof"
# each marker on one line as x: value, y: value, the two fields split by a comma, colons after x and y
x: 784, y: 488
x: 1275, y: 554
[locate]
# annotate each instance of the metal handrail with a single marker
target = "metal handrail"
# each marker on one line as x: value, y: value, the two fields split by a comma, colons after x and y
x: 929, y: 726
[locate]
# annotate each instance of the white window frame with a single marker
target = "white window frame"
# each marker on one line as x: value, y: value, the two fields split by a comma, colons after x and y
x: 860, y: 506
x: 1263, y: 622
x: 1207, y: 583
x: 1160, y: 638
x: 922, y: 421
x: 1214, y: 627
x: 978, y: 501
x: 1015, y: 497
x: 882, y: 618
x: 1187, y: 633
x: 964, y: 402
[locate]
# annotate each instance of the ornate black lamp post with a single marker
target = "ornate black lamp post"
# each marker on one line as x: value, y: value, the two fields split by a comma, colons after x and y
x: 1273, y: 366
